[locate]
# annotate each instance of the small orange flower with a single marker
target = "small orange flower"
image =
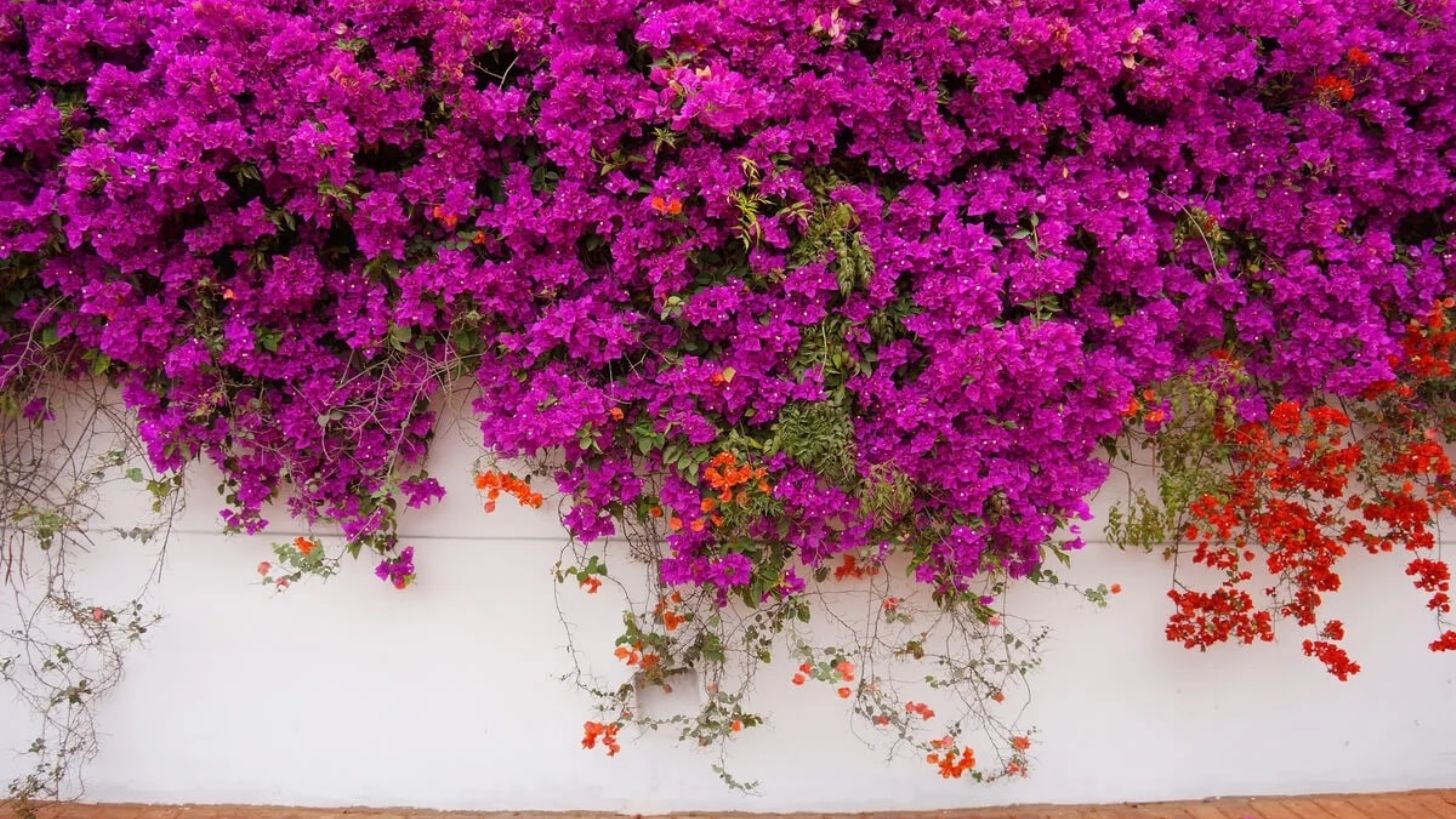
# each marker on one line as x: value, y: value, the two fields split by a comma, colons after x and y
x: 669, y: 207
x: 264, y: 568
x: 671, y: 620
x: 798, y: 679
x: 707, y: 504
x: 1115, y: 588
x: 1020, y: 743
x: 591, y: 584
x: 998, y: 696
x: 655, y: 511
x: 282, y: 582
x: 675, y: 523
x: 843, y: 693
x: 736, y: 726
x: 304, y: 545
x: 698, y: 525
x: 616, y: 413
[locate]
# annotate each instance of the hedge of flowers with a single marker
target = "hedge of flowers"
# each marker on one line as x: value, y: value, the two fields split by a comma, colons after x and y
x: 787, y: 288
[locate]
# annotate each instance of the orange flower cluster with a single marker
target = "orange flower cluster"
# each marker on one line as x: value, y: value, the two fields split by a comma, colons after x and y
x: 594, y: 731
x: 494, y: 483
x: 663, y: 611
x: 304, y: 545
x: 1155, y: 414
x: 731, y: 479
x: 730, y: 482
x: 635, y: 656
x: 667, y: 206
x: 444, y: 217
x: 952, y: 763
x: 919, y: 709
x: 844, y: 670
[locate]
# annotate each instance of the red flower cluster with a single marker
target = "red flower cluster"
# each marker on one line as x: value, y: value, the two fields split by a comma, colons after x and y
x: 952, y: 763
x: 1299, y: 454
x: 1303, y: 493
x: 919, y: 709
x: 1330, y: 88
x: 849, y: 566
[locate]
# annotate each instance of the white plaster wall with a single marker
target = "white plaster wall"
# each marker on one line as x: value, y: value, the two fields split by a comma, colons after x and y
x: 352, y: 693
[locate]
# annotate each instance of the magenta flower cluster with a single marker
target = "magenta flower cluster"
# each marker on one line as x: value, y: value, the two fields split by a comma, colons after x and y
x: 911, y: 258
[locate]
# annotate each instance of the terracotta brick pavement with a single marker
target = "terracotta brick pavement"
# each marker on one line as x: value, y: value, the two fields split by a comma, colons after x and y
x: 1431, y: 804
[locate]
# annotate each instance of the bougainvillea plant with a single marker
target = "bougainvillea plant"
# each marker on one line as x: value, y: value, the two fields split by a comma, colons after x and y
x: 780, y: 293
x: 1289, y: 493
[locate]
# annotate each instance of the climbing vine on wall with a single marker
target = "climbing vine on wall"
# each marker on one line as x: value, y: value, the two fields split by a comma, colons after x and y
x: 778, y: 295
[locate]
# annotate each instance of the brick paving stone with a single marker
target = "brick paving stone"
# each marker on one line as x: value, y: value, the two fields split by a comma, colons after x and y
x: 1432, y: 804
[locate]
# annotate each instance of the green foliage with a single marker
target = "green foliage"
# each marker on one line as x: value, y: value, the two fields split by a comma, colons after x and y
x: 819, y: 436
x: 1190, y: 459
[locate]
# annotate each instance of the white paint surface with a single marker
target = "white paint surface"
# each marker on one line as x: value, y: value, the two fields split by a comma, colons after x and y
x: 351, y: 693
